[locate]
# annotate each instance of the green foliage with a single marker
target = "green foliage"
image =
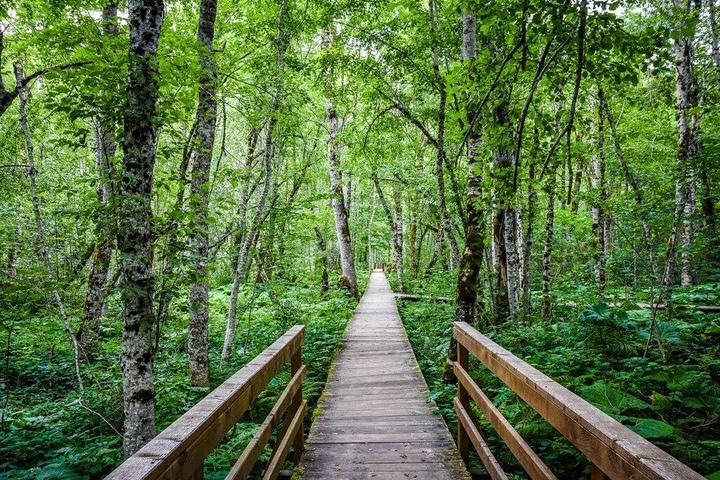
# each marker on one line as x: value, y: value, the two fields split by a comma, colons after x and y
x: 598, y: 354
x: 48, y: 434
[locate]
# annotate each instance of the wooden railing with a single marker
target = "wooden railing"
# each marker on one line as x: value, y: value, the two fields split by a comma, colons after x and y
x: 615, y: 451
x: 179, y: 451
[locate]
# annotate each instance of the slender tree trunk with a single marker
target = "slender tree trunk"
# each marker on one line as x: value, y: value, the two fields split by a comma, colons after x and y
x: 714, y: 34
x: 688, y: 143
x: 602, y: 231
x: 413, y: 260
x: 399, y: 243
x: 531, y: 209
x: 441, y: 154
x: 40, y: 241
x: 342, y: 227
x: 323, y: 262
x: 597, y: 172
x: 635, y: 186
x: 547, y: 299
x: 396, y: 227
x: 260, y: 214
x: 198, y: 360
x: 134, y: 240
x: 105, y: 147
x: 437, y: 249
x: 579, y: 172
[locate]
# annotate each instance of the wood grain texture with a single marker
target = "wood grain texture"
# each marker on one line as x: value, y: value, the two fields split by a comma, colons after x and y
x: 180, y: 450
x: 374, y: 420
x: 616, y: 450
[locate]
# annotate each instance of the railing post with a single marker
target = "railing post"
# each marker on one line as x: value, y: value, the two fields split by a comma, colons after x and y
x: 463, y: 440
x: 299, y: 441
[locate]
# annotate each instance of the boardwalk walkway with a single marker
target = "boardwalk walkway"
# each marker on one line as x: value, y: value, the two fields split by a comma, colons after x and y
x: 374, y: 419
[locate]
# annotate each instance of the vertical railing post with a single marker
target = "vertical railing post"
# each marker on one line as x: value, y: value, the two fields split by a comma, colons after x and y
x: 463, y: 440
x: 299, y: 440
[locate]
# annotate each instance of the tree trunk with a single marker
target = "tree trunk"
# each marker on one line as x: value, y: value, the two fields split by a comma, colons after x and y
x: 688, y: 131
x: 635, y: 186
x: 531, y: 208
x: 105, y: 147
x: 399, y: 244
x: 135, y: 223
x: 251, y: 237
x: 323, y: 262
x: 714, y: 34
x: 206, y: 118
x: 395, y: 226
x: 342, y: 227
x: 597, y: 180
x: 547, y: 299
x: 40, y: 241
x: 440, y: 160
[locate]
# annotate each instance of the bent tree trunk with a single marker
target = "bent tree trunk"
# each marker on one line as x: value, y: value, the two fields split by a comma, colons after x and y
x: 342, y: 227
x: 105, y: 147
x: 197, y: 352
x: 135, y: 222
x: 260, y: 214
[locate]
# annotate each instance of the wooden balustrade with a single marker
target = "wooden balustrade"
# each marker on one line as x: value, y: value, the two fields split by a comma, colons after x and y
x: 179, y: 451
x: 615, y: 451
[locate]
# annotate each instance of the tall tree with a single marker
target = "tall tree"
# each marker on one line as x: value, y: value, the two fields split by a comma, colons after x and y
x: 342, y: 226
x: 206, y: 118
x: 135, y: 239
x: 105, y: 148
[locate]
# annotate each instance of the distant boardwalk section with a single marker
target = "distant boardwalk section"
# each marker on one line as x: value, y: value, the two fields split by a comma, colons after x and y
x: 374, y: 419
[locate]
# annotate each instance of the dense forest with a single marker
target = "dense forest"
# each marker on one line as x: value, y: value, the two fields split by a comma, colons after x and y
x: 183, y: 180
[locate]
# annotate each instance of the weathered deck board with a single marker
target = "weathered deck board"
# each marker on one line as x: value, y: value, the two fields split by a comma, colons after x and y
x: 375, y: 421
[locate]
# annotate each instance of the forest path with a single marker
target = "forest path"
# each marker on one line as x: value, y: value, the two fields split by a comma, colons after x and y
x: 374, y: 420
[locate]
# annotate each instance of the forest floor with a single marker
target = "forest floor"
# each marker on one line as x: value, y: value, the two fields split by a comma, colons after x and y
x: 47, y: 434
x: 597, y: 352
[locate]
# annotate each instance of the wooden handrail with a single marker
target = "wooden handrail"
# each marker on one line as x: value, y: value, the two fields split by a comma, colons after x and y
x: 615, y: 451
x: 179, y: 451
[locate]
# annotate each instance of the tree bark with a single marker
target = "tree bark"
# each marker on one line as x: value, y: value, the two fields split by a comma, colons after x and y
x: 41, y: 243
x: 342, y: 227
x: 323, y: 262
x: 105, y: 148
x: 635, y: 186
x: 134, y: 240
x: 688, y: 142
x: 714, y: 34
x: 597, y: 180
x: 547, y: 299
x: 260, y: 214
x: 440, y: 160
x: 396, y: 228
x: 531, y: 209
x: 206, y: 119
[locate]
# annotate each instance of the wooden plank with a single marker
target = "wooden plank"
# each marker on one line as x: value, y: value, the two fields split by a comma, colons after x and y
x: 179, y: 450
x: 488, y: 459
x: 252, y: 452
x: 374, y: 419
x: 615, y: 449
x: 532, y: 464
x: 296, y: 425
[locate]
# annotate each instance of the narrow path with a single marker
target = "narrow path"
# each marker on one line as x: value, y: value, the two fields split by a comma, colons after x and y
x: 375, y: 421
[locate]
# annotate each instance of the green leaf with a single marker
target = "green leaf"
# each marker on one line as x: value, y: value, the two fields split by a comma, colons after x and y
x: 650, y: 428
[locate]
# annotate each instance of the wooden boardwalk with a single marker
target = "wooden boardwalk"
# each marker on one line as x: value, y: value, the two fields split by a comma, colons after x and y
x: 374, y: 419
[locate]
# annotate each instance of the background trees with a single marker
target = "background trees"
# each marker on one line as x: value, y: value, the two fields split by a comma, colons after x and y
x: 225, y: 180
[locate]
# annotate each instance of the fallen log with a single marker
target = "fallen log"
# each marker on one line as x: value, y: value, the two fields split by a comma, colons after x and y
x: 422, y: 298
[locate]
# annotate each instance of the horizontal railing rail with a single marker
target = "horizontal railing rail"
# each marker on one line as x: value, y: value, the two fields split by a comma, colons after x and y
x: 179, y: 451
x: 615, y: 451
